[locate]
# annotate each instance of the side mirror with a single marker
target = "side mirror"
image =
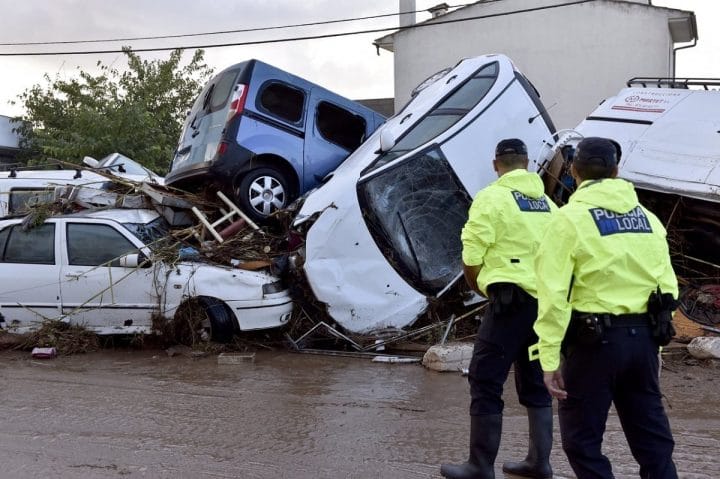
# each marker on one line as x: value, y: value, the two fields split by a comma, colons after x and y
x: 134, y: 260
x: 91, y: 162
x: 387, y: 139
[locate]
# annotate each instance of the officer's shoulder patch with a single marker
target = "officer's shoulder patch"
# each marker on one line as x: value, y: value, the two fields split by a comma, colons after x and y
x: 610, y: 223
x: 525, y: 203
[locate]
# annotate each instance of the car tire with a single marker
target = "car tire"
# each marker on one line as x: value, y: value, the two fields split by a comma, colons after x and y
x: 219, y: 322
x: 261, y: 192
x: 200, y: 320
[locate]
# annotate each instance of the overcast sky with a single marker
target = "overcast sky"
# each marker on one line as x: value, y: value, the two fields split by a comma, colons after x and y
x: 348, y: 65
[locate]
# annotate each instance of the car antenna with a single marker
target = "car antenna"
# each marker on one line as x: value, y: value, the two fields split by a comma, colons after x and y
x: 545, y: 110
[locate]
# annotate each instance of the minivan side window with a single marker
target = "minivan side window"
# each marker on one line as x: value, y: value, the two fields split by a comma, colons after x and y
x: 448, y: 112
x: 96, y: 244
x: 34, y: 246
x: 22, y: 199
x: 340, y: 126
x: 282, y: 101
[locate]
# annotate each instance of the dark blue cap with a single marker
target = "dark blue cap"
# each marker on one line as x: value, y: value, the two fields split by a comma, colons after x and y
x: 510, y: 146
x: 598, y: 150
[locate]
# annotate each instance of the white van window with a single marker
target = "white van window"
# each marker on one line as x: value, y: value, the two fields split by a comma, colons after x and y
x: 415, y: 211
x: 95, y: 245
x: 22, y: 199
x: 283, y: 101
x: 34, y: 246
x: 340, y: 126
x: 445, y: 114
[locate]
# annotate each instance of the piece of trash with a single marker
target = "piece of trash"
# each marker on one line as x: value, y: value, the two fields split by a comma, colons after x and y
x: 44, y: 353
x: 395, y: 359
x: 235, y: 358
x: 464, y: 371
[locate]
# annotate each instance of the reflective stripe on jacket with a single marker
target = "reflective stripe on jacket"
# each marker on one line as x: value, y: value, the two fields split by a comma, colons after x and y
x: 505, y: 224
x: 606, y: 252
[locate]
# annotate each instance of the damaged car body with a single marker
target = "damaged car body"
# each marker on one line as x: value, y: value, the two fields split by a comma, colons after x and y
x: 104, y: 270
x: 382, y: 235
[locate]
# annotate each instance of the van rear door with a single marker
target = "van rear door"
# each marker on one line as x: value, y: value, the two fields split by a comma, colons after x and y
x: 205, y: 123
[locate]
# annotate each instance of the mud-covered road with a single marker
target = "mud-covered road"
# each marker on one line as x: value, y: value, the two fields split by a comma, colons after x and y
x: 143, y: 414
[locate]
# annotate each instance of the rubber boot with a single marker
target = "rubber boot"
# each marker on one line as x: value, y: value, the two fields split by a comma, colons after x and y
x: 537, y: 462
x: 484, y: 443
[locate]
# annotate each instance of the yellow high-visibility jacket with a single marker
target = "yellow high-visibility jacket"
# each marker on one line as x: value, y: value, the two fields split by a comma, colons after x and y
x: 506, y: 222
x: 606, y: 253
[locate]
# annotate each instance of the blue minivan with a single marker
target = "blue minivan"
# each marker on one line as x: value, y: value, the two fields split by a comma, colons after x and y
x: 264, y: 137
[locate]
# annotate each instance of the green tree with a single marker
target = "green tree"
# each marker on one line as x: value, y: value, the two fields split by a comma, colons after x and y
x: 138, y: 112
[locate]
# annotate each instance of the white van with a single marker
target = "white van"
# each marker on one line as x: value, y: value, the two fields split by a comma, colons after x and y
x: 383, y: 233
x: 21, y: 189
x: 669, y: 132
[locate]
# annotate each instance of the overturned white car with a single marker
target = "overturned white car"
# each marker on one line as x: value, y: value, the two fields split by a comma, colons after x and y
x: 383, y: 233
x: 100, y: 269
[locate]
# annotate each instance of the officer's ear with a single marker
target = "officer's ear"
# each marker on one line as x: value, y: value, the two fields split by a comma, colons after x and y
x: 614, y: 173
x: 574, y: 174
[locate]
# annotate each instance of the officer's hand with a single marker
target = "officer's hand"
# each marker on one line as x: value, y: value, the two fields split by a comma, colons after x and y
x: 555, y: 384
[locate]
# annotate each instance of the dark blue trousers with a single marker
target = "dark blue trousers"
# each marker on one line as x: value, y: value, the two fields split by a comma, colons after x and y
x: 621, y: 369
x: 503, y: 339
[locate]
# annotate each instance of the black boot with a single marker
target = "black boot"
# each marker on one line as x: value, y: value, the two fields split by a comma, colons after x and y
x: 537, y: 462
x: 484, y: 443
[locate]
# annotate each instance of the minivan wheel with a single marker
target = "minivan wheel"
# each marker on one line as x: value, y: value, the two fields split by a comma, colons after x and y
x: 261, y: 192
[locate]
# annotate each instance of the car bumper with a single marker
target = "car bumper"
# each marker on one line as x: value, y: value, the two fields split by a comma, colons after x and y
x: 271, y: 312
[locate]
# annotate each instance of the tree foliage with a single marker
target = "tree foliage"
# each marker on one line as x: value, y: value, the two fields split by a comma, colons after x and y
x: 138, y: 111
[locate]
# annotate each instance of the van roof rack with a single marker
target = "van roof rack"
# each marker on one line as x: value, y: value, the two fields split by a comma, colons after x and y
x: 684, y: 83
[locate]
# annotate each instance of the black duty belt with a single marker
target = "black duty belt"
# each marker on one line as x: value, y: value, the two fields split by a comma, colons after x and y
x: 615, y: 320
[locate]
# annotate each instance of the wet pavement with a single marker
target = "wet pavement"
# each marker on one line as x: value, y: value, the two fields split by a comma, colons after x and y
x: 143, y: 414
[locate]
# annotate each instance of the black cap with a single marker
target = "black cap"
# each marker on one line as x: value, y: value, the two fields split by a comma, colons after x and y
x: 510, y: 146
x: 598, y: 150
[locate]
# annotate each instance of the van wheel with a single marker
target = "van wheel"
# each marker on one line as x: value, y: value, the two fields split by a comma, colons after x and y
x: 261, y: 192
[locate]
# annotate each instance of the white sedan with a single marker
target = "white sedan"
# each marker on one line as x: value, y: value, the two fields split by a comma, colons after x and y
x: 99, y: 269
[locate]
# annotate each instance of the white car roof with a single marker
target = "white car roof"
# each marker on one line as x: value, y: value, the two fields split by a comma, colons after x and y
x: 121, y: 215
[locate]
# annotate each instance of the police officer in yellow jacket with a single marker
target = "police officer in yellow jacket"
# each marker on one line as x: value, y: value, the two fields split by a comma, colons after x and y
x: 506, y: 221
x: 606, y: 291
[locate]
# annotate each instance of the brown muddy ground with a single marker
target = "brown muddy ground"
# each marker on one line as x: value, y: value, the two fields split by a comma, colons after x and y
x: 143, y: 414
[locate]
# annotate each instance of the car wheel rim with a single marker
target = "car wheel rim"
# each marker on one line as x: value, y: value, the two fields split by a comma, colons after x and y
x: 266, y: 195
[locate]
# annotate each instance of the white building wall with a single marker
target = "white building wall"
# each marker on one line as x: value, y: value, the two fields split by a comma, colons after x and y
x: 575, y: 56
x: 8, y: 138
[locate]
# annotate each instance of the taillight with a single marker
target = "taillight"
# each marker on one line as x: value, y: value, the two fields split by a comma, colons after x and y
x: 237, y: 103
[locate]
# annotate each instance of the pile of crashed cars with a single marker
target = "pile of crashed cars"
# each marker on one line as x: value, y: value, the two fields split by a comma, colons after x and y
x: 372, y: 255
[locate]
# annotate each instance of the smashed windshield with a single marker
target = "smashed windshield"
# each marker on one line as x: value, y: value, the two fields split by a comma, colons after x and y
x: 154, y: 234
x: 415, y: 211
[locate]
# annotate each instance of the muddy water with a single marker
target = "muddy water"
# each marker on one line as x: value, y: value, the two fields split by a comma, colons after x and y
x: 144, y: 414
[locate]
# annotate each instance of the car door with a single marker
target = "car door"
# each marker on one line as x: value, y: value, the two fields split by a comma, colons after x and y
x: 333, y: 132
x: 95, y: 290
x: 29, y: 274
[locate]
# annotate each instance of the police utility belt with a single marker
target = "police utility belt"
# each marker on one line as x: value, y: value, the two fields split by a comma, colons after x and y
x: 589, y: 328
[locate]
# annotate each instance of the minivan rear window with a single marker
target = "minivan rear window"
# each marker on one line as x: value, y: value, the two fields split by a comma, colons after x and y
x: 282, y: 101
x: 340, y: 126
x: 439, y: 119
x: 221, y: 91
